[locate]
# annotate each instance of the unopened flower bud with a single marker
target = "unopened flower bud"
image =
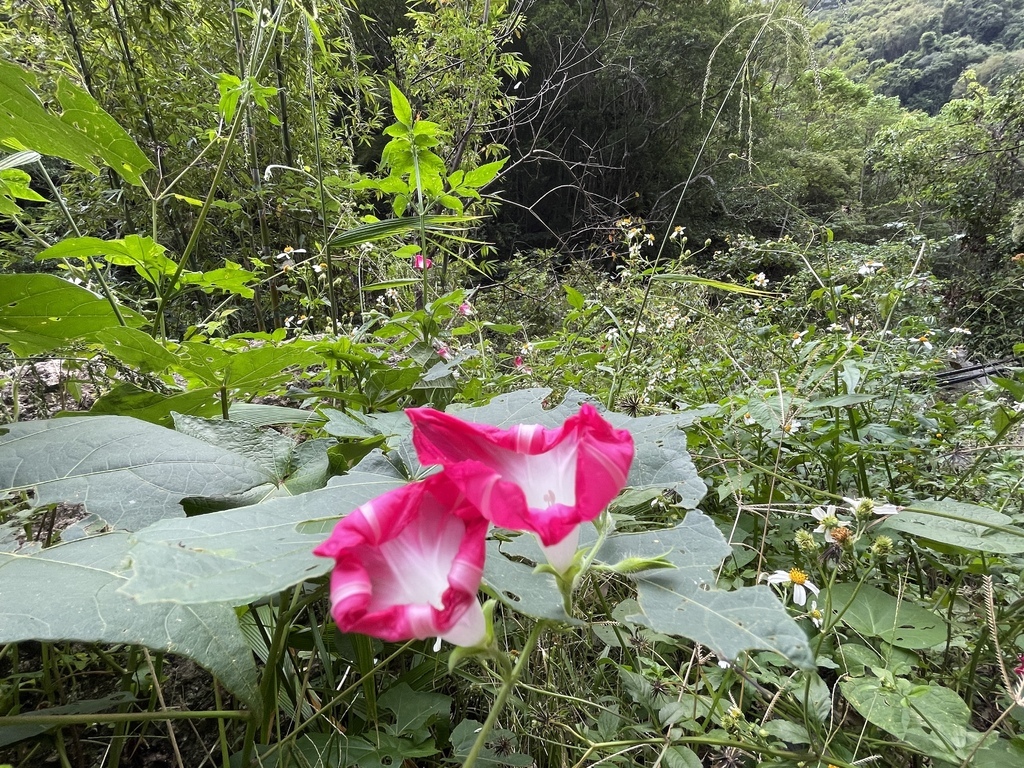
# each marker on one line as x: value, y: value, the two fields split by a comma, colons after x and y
x: 882, y: 546
x: 806, y: 543
x: 862, y: 508
x: 638, y: 564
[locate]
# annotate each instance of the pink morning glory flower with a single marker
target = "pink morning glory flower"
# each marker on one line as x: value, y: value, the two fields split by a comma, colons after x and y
x: 419, y: 261
x: 530, y: 478
x: 408, y: 565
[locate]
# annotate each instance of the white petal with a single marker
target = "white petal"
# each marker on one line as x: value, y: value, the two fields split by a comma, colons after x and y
x: 560, y: 555
x: 470, y: 629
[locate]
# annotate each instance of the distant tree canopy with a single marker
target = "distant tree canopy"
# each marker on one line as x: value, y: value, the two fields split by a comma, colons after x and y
x: 918, y: 49
x: 965, y: 163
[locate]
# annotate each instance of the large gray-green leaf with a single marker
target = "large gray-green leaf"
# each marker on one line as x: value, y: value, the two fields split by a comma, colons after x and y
x: 129, y: 473
x: 684, y: 601
x: 954, y: 526
x: 661, y: 460
x: 294, y: 468
x: 243, y: 554
x: 71, y: 592
x: 270, y: 451
x: 511, y: 578
x: 524, y: 406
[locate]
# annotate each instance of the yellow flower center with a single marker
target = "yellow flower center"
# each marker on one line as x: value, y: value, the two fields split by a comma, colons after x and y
x: 797, y: 576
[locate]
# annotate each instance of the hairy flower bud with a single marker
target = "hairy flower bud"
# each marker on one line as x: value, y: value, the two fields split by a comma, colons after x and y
x: 882, y: 546
x: 806, y: 543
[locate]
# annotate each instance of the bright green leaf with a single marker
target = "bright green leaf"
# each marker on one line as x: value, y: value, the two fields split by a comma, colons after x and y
x: 134, y: 348
x: 40, y: 312
x: 129, y: 400
x: 84, y: 132
x: 955, y: 526
x: 401, y: 107
x: 484, y: 174
x: 875, y: 613
x: 112, y: 142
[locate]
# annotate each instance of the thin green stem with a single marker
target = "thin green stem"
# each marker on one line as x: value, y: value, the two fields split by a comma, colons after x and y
x: 55, y: 721
x: 222, y: 734
x: 193, y: 241
x: 504, y: 692
x: 332, y: 298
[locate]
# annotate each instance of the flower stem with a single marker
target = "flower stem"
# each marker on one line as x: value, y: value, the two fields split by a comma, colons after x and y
x: 503, y: 693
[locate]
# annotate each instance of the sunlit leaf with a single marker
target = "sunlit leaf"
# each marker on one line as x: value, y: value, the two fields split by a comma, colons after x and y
x: 39, y: 313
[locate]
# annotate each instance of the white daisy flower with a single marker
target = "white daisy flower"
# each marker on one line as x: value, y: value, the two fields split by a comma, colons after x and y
x: 795, y: 578
x: 828, y: 521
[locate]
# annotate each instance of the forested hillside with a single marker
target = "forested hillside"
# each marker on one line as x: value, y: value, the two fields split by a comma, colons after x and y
x: 527, y: 383
x: 918, y: 49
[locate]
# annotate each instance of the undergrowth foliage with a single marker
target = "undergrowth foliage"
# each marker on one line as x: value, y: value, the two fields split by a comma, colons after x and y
x: 758, y: 501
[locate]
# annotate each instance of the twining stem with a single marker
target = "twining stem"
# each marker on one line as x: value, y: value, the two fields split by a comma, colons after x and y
x: 504, y: 692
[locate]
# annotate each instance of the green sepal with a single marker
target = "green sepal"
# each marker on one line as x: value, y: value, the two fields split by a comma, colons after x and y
x: 638, y: 564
